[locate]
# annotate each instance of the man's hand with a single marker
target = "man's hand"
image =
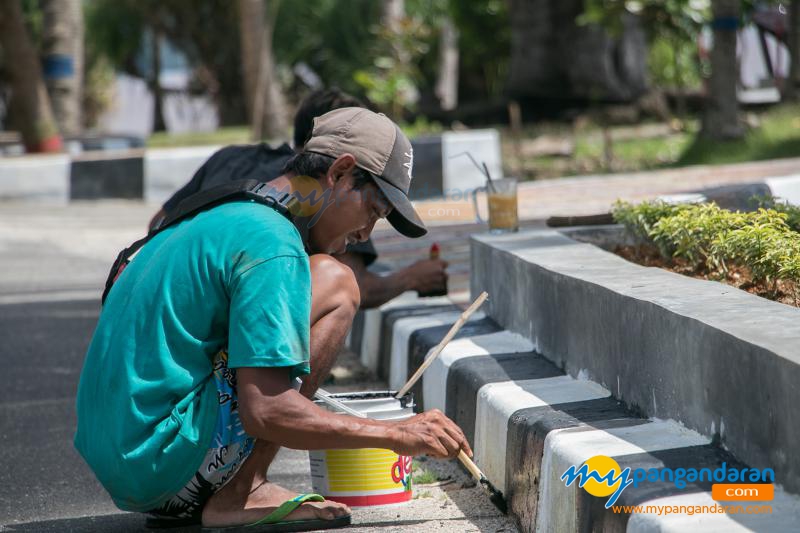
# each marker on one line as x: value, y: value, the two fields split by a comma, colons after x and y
x: 429, y: 433
x: 427, y: 275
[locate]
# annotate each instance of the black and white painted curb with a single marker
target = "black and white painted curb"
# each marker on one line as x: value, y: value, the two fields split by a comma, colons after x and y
x: 153, y: 174
x: 528, y: 423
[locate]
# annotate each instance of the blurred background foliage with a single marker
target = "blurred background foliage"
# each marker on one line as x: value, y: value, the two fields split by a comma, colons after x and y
x: 577, y: 69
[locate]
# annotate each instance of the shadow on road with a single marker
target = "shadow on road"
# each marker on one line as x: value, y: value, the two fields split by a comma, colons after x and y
x: 118, y: 523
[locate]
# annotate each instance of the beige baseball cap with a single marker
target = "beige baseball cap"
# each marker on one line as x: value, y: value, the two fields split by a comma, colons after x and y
x: 381, y: 149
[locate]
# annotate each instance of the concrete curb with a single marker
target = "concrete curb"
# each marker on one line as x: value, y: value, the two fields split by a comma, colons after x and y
x: 35, y: 178
x: 154, y: 174
x: 528, y: 422
x: 719, y: 360
x: 151, y: 175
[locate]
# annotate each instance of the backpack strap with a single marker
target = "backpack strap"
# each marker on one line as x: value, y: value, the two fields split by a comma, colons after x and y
x: 282, y: 201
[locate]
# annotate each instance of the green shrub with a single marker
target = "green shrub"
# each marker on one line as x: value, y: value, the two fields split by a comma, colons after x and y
x: 692, y: 233
x: 760, y: 244
x: 792, y: 211
x: 763, y: 241
x: 641, y: 218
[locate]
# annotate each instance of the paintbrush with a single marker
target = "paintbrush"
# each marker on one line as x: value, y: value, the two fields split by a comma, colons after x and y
x: 439, y: 347
x: 495, y: 496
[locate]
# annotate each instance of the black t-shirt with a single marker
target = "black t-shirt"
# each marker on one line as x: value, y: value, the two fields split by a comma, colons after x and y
x: 249, y: 161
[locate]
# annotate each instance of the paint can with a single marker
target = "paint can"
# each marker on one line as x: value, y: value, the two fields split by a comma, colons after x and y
x: 370, y: 476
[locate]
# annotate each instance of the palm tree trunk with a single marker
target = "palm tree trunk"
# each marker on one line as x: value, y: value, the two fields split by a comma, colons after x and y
x: 155, y: 80
x: 721, y: 118
x: 62, y: 51
x: 266, y: 105
x: 447, y: 81
x: 29, y: 95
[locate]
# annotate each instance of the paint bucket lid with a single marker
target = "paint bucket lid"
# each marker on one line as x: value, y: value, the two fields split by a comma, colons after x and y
x: 379, y: 405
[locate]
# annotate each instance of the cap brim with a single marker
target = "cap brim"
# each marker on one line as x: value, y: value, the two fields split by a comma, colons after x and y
x: 403, y: 218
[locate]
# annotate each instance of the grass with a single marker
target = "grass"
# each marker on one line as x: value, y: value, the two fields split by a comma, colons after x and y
x: 423, y: 476
x: 222, y: 136
x: 241, y: 135
x: 637, y: 154
x: 778, y: 136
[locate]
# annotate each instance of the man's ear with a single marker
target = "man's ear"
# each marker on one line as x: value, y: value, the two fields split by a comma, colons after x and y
x: 343, y: 165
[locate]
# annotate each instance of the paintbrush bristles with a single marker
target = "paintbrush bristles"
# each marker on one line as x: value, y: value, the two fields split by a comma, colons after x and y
x: 495, y: 496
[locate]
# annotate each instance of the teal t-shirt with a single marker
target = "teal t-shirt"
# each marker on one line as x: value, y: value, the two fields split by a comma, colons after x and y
x: 235, y: 276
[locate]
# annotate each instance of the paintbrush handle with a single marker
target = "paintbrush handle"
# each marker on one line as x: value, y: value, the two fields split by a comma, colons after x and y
x: 470, y: 465
x: 447, y: 338
x: 336, y: 404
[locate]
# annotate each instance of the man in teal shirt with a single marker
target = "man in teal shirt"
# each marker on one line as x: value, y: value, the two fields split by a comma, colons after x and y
x: 186, y: 392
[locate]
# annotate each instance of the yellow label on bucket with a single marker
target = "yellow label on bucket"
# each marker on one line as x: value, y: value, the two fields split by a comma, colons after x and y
x: 367, y: 470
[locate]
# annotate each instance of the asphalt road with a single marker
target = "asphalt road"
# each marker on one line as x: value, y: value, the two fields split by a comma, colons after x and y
x: 53, y: 262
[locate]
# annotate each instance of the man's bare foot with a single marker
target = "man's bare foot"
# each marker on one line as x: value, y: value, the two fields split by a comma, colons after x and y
x: 232, y: 507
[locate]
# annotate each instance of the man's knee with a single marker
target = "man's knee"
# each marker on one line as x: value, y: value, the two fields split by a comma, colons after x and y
x: 333, y: 286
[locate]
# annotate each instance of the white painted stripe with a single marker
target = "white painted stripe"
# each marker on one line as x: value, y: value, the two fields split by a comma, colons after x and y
x: 498, y: 401
x: 35, y: 177
x: 371, y: 336
x: 370, y: 339
x: 401, y: 332
x: 167, y: 169
x: 349, y: 338
x: 785, y: 515
x: 434, y: 380
x: 786, y: 187
x: 572, y: 446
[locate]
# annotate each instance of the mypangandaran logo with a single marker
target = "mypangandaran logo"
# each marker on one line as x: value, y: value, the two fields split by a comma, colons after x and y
x: 310, y: 195
x: 602, y: 476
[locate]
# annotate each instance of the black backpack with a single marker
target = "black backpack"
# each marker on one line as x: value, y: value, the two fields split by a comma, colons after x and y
x: 259, y: 191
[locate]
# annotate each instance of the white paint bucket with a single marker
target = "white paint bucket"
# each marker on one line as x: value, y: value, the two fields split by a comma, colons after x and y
x: 370, y: 476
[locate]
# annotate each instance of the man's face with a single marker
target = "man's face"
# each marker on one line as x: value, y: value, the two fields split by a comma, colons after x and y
x: 351, y: 213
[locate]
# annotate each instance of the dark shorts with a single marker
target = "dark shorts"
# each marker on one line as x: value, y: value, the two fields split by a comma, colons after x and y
x: 230, y: 446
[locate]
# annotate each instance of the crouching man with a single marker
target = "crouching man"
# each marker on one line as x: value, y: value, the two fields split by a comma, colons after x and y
x: 187, y: 392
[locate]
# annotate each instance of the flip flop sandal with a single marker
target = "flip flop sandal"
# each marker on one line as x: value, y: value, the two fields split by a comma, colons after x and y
x: 272, y: 523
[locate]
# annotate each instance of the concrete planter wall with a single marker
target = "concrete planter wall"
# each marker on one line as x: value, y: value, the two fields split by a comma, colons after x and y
x: 528, y: 423
x: 714, y: 358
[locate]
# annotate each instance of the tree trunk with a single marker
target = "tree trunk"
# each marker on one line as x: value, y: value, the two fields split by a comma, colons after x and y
x: 264, y: 98
x: 393, y: 13
x: 29, y: 95
x: 597, y: 65
x: 534, y: 67
x: 62, y: 53
x: 721, y: 117
x: 554, y: 57
x: 447, y: 81
x: 792, y: 90
x: 155, y: 80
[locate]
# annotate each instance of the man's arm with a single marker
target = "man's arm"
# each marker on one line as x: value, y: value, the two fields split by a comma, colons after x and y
x: 271, y: 410
x: 425, y: 275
